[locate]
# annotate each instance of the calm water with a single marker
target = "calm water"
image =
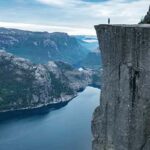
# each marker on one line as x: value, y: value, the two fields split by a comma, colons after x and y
x: 68, y: 128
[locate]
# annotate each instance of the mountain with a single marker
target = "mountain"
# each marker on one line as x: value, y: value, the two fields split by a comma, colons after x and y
x: 41, y: 47
x: 24, y: 85
x: 40, y: 74
x: 92, y: 60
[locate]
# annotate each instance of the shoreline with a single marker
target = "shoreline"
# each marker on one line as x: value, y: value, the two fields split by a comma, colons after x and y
x: 39, y: 110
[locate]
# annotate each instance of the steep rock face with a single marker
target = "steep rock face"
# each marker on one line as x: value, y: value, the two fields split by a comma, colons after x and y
x: 122, y: 121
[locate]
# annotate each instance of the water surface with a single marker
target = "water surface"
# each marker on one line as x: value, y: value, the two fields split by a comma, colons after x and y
x: 67, y: 128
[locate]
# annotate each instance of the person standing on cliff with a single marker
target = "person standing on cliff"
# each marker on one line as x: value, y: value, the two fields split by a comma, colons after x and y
x: 108, y: 20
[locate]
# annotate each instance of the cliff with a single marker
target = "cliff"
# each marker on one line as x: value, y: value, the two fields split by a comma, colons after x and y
x: 122, y: 121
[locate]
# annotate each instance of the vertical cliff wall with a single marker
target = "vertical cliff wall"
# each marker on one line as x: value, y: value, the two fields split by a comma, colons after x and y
x: 122, y: 122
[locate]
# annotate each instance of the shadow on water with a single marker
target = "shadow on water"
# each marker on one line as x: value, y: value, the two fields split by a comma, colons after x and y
x: 41, y: 111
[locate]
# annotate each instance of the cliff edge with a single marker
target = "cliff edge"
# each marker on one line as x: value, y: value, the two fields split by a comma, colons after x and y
x: 122, y: 121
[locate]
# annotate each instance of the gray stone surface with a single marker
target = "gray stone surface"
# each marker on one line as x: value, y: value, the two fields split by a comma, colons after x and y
x: 122, y: 121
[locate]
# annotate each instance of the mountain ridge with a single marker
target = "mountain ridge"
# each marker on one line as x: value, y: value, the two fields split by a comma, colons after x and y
x: 40, y: 47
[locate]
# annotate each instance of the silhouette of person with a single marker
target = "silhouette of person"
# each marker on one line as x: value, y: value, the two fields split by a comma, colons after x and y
x: 108, y: 20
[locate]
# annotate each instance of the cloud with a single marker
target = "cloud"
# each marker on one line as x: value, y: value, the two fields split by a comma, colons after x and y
x: 53, y: 2
x: 48, y: 28
x: 72, y: 16
x: 59, y: 3
x: 120, y: 11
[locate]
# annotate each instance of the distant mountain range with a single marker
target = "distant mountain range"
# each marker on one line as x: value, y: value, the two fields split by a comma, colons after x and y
x: 89, y: 42
x: 40, y: 47
x: 93, y: 58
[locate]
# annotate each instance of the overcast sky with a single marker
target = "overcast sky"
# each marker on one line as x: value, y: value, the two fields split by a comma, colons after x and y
x: 71, y: 16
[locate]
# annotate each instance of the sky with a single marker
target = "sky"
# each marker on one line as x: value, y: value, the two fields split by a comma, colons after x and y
x: 76, y: 17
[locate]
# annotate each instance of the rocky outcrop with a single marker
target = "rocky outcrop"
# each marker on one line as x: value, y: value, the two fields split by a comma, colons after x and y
x: 122, y: 121
x: 146, y: 19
